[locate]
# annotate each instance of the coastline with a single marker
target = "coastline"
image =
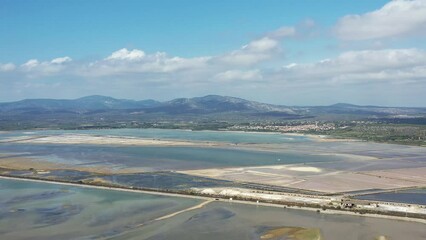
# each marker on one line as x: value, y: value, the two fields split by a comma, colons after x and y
x: 210, y: 199
x: 312, y: 137
x: 102, y: 140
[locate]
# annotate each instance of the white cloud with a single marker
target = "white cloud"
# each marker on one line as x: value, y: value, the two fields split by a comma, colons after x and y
x: 231, y: 75
x: 7, y: 67
x: 264, y: 44
x: 256, y: 51
x: 160, y: 62
x: 124, y: 54
x: 389, y: 65
x: 32, y: 63
x: 396, y: 18
x: 34, y: 67
x: 376, y: 60
x: 61, y: 60
x: 136, y: 61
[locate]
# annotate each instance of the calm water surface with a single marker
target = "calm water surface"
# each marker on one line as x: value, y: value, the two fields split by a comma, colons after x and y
x: 415, y: 196
x: 30, y: 210
x: 217, y: 136
x: 47, y: 211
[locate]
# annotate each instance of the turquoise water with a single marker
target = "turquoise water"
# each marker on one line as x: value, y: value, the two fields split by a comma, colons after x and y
x: 48, y: 211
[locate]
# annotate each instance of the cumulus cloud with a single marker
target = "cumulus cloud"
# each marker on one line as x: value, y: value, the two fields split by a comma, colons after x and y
x: 389, y: 65
x: 61, y: 60
x: 34, y: 67
x: 265, y: 44
x: 136, y: 61
x: 376, y: 59
x: 396, y: 18
x: 124, y: 54
x: 126, y: 61
x: 32, y: 63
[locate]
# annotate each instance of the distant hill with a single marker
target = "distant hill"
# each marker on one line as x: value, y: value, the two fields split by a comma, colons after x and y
x: 80, y: 105
x: 218, y: 104
x: 344, y: 108
x: 102, y: 109
x: 197, y: 105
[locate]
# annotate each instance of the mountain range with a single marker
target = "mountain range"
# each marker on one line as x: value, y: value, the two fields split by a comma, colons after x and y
x: 211, y: 107
x: 198, y: 105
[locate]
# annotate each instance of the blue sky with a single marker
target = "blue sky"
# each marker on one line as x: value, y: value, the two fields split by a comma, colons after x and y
x: 285, y: 52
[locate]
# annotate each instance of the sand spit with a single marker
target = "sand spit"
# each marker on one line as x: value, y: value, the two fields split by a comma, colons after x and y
x: 100, y: 140
x: 259, y: 170
x: 305, y: 169
x: 267, y: 195
x: 140, y: 141
x: 40, y: 165
x: 184, y: 210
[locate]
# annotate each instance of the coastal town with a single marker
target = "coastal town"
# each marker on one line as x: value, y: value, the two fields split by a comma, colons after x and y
x: 290, y: 128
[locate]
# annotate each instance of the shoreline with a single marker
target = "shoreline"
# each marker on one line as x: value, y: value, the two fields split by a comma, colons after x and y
x: 312, y: 137
x: 210, y: 199
x: 112, y: 140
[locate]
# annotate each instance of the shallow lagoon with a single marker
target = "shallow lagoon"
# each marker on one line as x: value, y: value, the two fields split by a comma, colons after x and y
x: 237, y: 221
x: 269, y: 149
x: 216, y: 136
x: 156, y: 158
x: 32, y: 210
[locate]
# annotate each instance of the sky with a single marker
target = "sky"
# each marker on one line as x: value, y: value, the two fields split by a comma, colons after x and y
x: 293, y: 52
